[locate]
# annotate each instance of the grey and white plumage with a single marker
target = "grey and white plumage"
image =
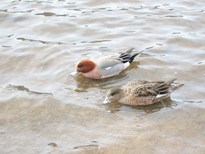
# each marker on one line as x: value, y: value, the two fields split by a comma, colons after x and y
x: 106, y: 66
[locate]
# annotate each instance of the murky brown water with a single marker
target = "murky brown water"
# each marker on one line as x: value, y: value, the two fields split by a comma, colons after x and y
x: 45, y: 110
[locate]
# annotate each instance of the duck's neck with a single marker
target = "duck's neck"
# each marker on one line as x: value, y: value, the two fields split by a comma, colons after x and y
x: 95, y: 74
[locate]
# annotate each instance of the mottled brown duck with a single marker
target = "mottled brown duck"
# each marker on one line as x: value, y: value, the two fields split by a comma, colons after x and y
x: 142, y: 92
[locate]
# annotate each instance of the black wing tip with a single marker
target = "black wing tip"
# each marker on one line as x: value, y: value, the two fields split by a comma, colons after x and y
x: 127, y: 56
x: 171, y: 81
x: 133, y: 57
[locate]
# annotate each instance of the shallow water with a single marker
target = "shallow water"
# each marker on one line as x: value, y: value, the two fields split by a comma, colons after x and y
x: 45, y: 110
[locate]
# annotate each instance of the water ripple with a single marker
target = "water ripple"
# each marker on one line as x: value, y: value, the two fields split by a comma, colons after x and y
x: 39, y: 41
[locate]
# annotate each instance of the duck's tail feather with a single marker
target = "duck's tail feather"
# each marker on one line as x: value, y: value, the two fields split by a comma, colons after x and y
x: 127, y: 56
x: 174, y: 85
x: 171, y: 81
x: 133, y: 56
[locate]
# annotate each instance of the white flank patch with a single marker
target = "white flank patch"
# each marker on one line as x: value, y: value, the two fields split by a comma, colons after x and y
x: 108, y: 68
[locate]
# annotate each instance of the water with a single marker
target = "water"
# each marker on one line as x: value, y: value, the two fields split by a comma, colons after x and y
x: 45, y: 110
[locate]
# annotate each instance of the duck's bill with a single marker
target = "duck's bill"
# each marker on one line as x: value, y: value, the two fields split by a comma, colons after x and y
x: 74, y: 73
x: 106, y: 101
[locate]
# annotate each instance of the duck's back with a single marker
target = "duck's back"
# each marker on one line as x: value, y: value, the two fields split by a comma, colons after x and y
x: 110, y: 66
x: 142, y: 92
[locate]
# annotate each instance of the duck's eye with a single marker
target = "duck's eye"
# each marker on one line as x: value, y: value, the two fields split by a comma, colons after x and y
x: 80, y: 65
x: 112, y: 94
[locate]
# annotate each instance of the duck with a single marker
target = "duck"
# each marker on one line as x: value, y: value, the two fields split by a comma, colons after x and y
x: 105, y: 66
x: 142, y: 92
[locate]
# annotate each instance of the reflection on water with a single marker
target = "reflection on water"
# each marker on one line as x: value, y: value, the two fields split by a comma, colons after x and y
x: 45, y: 110
x: 22, y: 88
x: 114, y: 107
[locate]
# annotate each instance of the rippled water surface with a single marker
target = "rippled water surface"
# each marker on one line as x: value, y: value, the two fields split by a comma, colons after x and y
x: 45, y: 110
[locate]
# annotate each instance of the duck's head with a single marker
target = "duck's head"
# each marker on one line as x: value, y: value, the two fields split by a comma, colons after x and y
x: 113, y: 95
x: 85, y: 66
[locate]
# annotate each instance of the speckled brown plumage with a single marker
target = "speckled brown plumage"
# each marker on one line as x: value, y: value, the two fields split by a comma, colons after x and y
x: 142, y: 92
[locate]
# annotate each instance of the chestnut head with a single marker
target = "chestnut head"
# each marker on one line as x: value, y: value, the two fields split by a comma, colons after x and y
x: 85, y: 66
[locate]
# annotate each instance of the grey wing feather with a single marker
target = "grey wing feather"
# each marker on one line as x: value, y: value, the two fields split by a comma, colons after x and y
x: 110, y: 62
x: 130, y: 50
x: 112, y: 66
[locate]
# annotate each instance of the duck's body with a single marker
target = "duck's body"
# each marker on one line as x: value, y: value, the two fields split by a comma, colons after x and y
x: 106, y: 66
x: 142, y: 92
